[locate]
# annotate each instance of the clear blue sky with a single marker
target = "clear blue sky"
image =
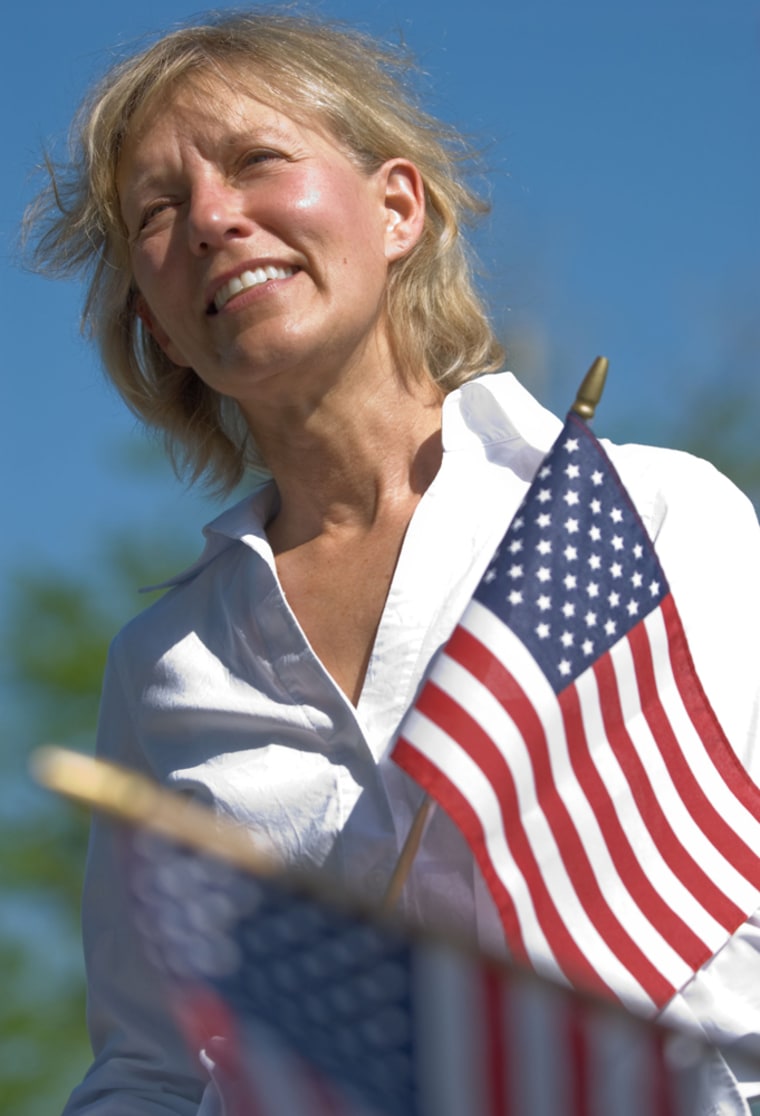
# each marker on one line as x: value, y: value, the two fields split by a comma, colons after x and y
x: 625, y: 177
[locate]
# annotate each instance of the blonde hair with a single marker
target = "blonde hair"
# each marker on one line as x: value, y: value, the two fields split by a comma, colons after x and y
x: 355, y: 87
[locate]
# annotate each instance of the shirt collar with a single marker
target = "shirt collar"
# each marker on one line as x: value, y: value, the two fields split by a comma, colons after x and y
x: 493, y: 415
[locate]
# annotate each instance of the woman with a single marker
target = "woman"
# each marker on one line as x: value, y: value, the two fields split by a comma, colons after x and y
x: 272, y: 231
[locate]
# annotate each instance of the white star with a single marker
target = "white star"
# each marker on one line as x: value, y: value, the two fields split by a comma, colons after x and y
x: 613, y: 600
x: 609, y: 627
x: 568, y: 609
x: 590, y: 619
x: 617, y: 542
x: 594, y: 534
x: 567, y: 639
x: 633, y: 608
x: 571, y: 498
x: 570, y: 581
x: 571, y: 526
x: 594, y: 561
x: 587, y: 647
x: 543, y: 520
x: 638, y: 550
x: 544, y: 602
x: 571, y: 445
x: 515, y: 597
x: 518, y: 523
x: 490, y: 576
x: 596, y: 506
x: 544, y: 495
x: 616, y: 515
x: 570, y: 553
x: 542, y: 631
x: 543, y: 573
x: 544, y: 546
x: 515, y: 546
x: 515, y: 571
x: 597, y: 478
x: 544, y: 472
x: 616, y: 569
x: 637, y: 580
x: 572, y: 471
x: 654, y: 588
x: 592, y: 589
x: 564, y: 668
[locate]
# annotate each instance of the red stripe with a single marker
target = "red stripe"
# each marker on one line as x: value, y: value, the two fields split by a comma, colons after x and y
x: 475, y: 657
x: 678, y: 859
x: 444, y: 711
x: 498, y: 1041
x: 576, y: 1038
x: 671, y: 926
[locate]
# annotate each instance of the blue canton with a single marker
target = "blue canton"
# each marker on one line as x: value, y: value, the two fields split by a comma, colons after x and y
x: 576, y: 570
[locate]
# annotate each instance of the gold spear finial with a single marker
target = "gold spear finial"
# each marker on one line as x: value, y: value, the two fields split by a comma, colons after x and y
x: 590, y: 391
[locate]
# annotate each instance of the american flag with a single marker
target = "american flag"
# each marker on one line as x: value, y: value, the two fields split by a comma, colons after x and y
x: 309, y: 1009
x: 564, y: 729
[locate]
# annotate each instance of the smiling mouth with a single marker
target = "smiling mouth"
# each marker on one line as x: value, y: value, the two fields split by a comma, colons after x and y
x: 245, y: 282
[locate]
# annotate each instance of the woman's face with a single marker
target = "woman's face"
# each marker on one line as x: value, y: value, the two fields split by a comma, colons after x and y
x: 257, y: 246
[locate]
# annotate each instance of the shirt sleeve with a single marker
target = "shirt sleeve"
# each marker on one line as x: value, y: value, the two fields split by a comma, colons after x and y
x: 708, y: 540
x: 142, y: 1066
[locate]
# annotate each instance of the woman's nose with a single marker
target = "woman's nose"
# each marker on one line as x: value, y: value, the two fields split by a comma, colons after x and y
x: 216, y: 216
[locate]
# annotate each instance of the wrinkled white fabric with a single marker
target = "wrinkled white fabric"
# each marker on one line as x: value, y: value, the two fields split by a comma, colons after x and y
x: 215, y: 690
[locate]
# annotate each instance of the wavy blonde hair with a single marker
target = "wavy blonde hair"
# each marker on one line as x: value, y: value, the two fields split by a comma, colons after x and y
x: 337, y: 77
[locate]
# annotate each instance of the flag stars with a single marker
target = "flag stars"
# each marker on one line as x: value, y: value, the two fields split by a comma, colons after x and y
x: 544, y: 495
x: 515, y: 597
x: 594, y: 561
x: 590, y: 619
x: 613, y: 600
x: 571, y: 526
x: 594, y: 533
x: 617, y: 542
x: 596, y: 506
x: 592, y: 589
x: 544, y: 602
x: 543, y: 631
x: 544, y: 546
x: 633, y: 608
x: 543, y: 520
x: 597, y: 477
x: 571, y: 445
x: 572, y: 472
x: 616, y: 569
x: 654, y: 588
x: 571, y: 553
x: 543, y: 573
x: 616, y: 515
x: 544, y: 472
x: 638, y: 551
x: 567, y: 639
x: 570, y: 581
x: 515, y: 546
x: 637, y: 580
x: 564, y: 668
x: 587, y: 647
x: 568, y: 610
x: 490, y: 575
x: 571, y: 498
x: 610, y: 627
x: 515, y: 571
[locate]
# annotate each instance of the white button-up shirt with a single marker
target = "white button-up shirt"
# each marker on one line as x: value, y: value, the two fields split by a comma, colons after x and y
x: 215, y: 690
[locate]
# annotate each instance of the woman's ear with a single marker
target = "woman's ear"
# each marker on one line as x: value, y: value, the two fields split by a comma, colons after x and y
x: 404, y: 207
x: 158, y: 333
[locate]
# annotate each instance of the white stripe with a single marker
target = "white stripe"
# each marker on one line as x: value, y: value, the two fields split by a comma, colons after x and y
x: 542, y: 1067
x: 697, y: 755
x: 684, y: 825
x: 450, y: 1034
x: 664, y: 881
x: 444, y: 753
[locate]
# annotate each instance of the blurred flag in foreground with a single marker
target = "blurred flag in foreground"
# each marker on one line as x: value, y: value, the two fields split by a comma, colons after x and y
x: 305, y: 1009
x: 564, y: 729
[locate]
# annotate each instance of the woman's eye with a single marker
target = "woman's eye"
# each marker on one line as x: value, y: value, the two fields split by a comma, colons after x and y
x: 152, y: 211
x: 254, y: 158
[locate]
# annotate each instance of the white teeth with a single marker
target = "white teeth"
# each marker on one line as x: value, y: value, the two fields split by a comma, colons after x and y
x: 249, y: 279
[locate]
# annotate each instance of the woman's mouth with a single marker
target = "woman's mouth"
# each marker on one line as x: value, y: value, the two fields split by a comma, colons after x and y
x: 245, y: 281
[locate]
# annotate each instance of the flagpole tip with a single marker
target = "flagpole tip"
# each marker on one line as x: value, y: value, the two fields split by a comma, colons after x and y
x: 590, y: 391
